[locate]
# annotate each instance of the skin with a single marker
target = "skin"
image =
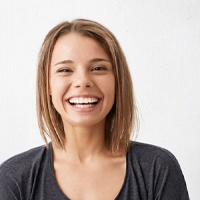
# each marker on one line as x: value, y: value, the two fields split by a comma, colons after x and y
x: 80, y: 68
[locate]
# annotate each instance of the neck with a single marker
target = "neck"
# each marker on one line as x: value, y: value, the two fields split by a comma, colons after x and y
x: 83, y: 143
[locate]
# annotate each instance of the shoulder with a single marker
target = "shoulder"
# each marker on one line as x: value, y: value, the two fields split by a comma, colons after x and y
x: 158, y: 169
x: 151, y: 153
x: 23, y: 160
x: 17, y: 173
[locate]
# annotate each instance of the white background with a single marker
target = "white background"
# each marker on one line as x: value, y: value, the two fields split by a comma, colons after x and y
x: 161, y: 40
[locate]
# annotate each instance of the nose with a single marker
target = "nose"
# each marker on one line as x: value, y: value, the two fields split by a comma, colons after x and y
x: 83, y: 80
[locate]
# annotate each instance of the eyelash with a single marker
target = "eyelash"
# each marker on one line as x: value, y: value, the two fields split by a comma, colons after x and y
x: 64, y: 70
x: 100, y: 68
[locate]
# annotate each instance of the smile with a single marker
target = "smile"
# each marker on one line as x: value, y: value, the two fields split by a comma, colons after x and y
x: 81, y: 102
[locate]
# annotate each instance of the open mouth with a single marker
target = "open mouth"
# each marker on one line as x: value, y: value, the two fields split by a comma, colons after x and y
x: 82, y: 102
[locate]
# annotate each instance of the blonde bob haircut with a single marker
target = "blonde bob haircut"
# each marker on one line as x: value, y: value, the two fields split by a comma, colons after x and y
x: 122, y: 118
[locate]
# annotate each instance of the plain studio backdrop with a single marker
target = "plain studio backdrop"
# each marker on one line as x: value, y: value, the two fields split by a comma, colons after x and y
x: 161, y: 40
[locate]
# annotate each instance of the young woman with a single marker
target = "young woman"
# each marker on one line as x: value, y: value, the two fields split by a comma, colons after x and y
x: 85, y: 104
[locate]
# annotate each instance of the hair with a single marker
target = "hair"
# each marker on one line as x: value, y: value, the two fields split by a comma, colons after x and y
x: 122, y: 118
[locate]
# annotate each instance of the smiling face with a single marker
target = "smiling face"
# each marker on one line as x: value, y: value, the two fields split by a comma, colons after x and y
x: 82, y: 82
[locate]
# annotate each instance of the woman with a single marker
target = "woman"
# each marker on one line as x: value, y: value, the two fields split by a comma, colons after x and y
x: 85, y: 105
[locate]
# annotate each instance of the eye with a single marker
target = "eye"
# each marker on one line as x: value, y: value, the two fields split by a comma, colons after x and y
x: 64, y: 70
x: 99, y: 68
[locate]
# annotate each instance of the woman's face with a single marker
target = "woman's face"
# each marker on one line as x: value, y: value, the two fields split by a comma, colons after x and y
x: 82, y: 82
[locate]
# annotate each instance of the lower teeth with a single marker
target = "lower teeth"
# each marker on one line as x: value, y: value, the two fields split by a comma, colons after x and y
x: 83, y: 105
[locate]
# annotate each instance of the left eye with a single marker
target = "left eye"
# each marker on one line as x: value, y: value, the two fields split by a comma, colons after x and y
x: 100, y: 68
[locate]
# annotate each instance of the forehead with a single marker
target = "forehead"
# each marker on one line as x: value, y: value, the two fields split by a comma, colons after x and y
x: 75, y: 47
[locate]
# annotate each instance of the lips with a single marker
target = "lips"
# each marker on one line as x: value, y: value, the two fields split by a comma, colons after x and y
x: 83, y: 102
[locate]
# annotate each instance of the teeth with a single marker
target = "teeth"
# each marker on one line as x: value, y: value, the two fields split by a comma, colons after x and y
x: 83, y: 100
x: 83, y: 105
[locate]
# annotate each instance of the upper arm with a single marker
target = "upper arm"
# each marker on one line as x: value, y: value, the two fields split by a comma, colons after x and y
x: 9, y: 189
x: 169, y: 180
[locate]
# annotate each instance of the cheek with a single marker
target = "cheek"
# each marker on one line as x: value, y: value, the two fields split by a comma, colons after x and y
x: 110, y: 86
x: 57, y: 89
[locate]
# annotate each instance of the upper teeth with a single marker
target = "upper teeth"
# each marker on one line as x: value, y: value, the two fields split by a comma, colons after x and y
x: 83, y: 100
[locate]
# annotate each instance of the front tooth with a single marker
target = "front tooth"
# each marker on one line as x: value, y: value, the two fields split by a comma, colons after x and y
x: 80, y: 100
x: 85, y: 100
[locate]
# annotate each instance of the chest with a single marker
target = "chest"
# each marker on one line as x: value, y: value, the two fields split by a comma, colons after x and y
x: 91, y: 181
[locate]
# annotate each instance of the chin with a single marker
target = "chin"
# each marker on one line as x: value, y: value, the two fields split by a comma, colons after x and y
x: 85, y: 123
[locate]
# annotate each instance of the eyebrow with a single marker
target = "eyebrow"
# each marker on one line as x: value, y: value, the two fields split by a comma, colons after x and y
x: 99, y: 60
x: 64, y: 62
x: 91, y: 61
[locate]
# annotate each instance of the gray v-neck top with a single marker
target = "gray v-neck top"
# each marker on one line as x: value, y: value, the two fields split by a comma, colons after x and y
x: 152, y: 173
